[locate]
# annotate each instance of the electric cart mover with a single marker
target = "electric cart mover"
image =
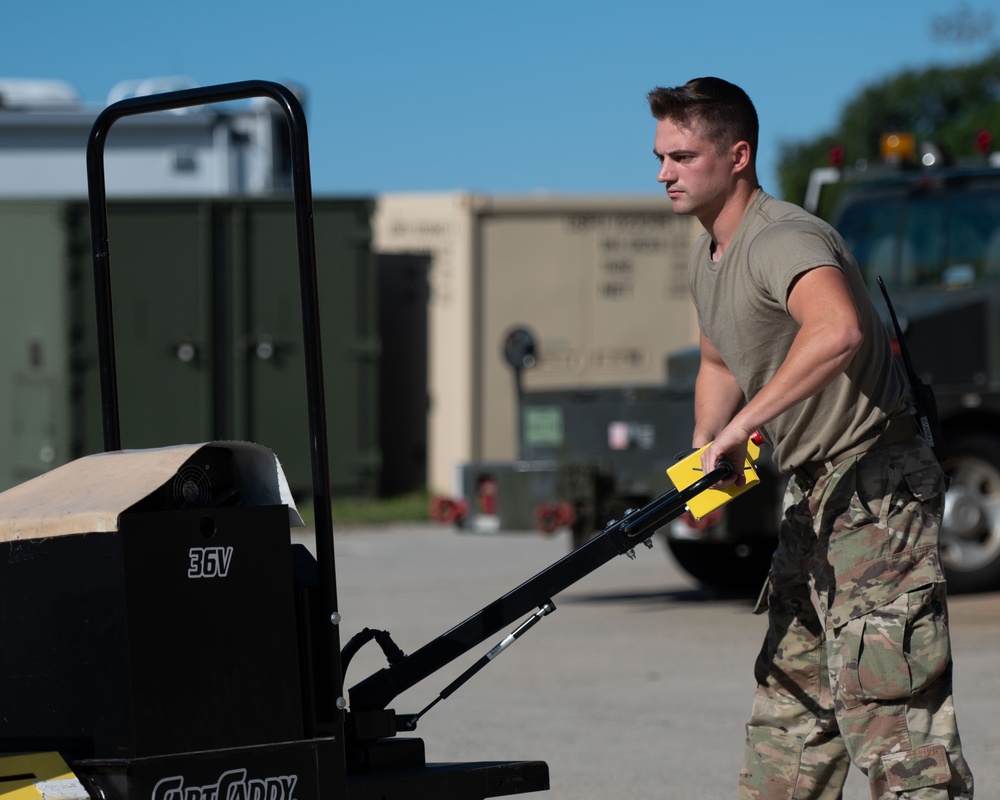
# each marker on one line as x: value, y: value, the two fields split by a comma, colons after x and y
x: 162, y: 639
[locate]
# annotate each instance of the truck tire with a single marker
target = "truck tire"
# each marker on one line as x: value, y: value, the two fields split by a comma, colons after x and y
x: 726, y: 566
x: 970, y: 529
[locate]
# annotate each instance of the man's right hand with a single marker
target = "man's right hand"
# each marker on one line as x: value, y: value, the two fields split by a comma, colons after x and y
x: 730, y: 445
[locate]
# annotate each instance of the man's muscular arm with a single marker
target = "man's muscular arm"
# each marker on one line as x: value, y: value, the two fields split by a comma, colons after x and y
x: 829, y: 335
x: 717, y: 395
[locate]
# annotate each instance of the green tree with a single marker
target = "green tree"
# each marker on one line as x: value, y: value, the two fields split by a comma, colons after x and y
x: 945, y: 105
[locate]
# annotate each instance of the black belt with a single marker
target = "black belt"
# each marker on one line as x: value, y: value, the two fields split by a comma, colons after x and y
x: 897, y: 430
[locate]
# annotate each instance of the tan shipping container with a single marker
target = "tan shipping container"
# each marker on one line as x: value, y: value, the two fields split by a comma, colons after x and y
x: 600, y: 281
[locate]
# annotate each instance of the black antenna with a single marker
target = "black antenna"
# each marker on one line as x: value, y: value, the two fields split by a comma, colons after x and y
x: 923, y: 395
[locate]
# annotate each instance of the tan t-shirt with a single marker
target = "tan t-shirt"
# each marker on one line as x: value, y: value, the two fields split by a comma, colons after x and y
x: 742, y: 303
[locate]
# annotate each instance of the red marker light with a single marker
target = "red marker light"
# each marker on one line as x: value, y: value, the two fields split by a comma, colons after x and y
x: 836, y: 155
x: 984, y: 142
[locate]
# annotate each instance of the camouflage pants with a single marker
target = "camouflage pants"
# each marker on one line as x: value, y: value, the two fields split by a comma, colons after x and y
x: 856, y: 665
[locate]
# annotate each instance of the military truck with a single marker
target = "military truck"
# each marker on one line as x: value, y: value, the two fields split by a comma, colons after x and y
x: 932, y: 233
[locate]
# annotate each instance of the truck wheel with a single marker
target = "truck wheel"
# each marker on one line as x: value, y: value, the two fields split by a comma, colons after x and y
x: 728, y: 566
x: 970, y: 529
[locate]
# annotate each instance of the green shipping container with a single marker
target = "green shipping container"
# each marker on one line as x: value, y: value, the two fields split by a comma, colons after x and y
x: 207, y: 331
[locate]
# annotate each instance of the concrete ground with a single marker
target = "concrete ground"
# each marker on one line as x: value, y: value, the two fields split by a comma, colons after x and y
x: 638, y: 686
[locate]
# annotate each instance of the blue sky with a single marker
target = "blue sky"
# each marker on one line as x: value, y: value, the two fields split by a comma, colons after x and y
x: 507, y: 97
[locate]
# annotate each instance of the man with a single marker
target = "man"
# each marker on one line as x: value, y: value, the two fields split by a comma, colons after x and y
x: 856, y: 665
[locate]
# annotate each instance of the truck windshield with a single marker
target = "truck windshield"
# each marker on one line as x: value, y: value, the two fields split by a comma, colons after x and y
x: 935, y: 234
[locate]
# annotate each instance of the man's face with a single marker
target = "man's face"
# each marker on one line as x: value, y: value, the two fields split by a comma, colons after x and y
x: 697, y: 178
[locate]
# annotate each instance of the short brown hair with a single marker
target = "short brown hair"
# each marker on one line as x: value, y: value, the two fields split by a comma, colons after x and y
x: 720, y: 110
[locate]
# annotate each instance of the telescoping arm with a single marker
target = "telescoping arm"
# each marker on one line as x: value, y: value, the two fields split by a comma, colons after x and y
x: 378, y: 690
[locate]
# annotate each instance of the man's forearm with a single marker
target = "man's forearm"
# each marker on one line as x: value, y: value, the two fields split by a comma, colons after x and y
x: 717, y: 398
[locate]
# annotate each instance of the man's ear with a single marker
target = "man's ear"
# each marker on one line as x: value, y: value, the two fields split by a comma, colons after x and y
x: 741, y: 156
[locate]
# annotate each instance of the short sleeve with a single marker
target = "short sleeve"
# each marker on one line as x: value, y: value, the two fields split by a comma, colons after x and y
x: 787, y: 249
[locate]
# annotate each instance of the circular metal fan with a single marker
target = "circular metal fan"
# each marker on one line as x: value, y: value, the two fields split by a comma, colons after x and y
x: 192, y: 488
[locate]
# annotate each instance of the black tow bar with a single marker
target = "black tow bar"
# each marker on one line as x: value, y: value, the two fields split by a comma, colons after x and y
x: 534, y: 596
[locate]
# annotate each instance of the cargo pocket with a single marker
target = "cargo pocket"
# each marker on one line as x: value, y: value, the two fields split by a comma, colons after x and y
x: 894, y: 651
x: 925, y: 483
x: 882, y: 670
x: 916, y: 769
x: 928, y: 641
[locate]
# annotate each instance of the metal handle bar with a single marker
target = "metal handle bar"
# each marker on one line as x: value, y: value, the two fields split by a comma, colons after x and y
x: 305, y: 237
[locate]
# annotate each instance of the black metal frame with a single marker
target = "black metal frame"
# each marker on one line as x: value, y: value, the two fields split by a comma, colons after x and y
x: 315, y: 393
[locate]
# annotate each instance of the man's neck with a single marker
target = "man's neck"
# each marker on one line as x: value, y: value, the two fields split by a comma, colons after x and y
x: 723, y: 224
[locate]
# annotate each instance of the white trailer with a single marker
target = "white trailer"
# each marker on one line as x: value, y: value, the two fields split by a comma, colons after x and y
x: 212, y: 151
